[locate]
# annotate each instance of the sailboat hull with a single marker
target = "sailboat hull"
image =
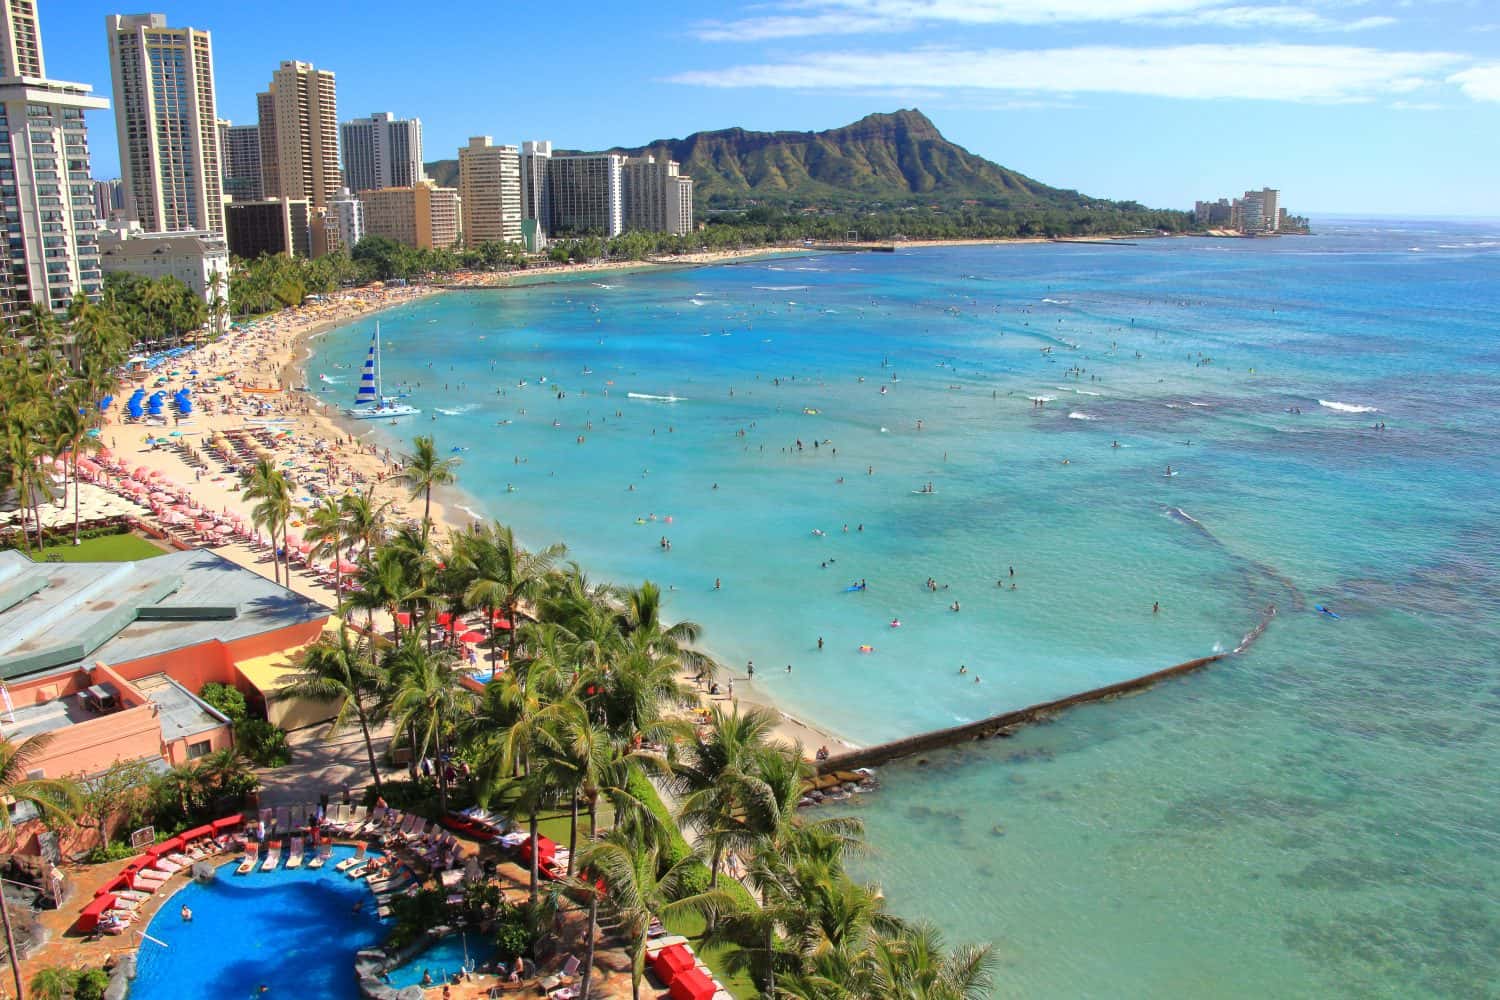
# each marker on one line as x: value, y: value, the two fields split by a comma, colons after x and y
x: 381, y: 412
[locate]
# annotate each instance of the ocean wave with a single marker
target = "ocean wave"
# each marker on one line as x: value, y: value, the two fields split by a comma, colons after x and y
x: 457, y: 411
x: 698, y: 302
x: 1469, y: 246
x: 1058, y: 302
x: 1085, y: 392
x: 471, y: 512
x: 1079, y: 415
x: 1041, y: 399
x: 780, y: 288
x: 659, y: 399
x: 1346, y: 407
x: 600, y: 284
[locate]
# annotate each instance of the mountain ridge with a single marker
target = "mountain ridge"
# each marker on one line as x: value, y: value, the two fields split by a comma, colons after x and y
x: 885, y: 159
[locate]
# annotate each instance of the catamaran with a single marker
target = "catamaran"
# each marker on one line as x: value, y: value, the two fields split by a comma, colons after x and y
x: 369, y: 403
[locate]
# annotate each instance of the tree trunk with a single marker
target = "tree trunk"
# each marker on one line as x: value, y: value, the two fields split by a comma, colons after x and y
x: 364, y: 726
x: 536, y: 872
x: 442, y: 771
x: 75, y: 493
x: 588, y: 962
x: 510, y: 612
x: 10, y: 943
x: 572, y: 830
x: 427, y: 514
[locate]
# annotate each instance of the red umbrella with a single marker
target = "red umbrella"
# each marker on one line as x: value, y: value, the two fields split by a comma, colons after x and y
x: 501, y: 622
x: 473, y: 635
x: 403, y: 619
x: 670, y: 961
x: 141, y: 472
x: 692, y: 984
x: 445, y: 618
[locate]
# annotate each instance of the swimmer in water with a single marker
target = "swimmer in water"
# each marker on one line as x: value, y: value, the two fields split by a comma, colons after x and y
x: 963, y: 669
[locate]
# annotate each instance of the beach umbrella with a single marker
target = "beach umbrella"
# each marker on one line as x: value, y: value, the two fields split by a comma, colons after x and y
x: 204, y: 526
x: 346, y: 567
x: 501, y: 622
x: 141, y: 473
x: 403, y: 619
x: 472, y: 636
x: 445, y: 618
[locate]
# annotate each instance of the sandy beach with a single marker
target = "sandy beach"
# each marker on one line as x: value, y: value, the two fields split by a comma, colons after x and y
x: 246, y: 405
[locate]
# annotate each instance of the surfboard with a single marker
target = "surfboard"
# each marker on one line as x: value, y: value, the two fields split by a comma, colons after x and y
x: 1330, y: 614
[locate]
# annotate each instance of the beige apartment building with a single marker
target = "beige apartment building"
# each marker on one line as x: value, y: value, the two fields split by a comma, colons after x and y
x: 299, y: 135
x: 489, y: 185
x: 170, y: 156
x: 423, y: 215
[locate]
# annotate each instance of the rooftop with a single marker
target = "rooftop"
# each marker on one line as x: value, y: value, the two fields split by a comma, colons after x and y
x: 57, y: 615
x: 181, y: 714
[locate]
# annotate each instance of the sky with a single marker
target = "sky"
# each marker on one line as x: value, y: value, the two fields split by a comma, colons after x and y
x: 1387, y: 107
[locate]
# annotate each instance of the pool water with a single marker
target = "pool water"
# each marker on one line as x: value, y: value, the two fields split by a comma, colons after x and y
x: 295, y: 932
x: 443, y: 959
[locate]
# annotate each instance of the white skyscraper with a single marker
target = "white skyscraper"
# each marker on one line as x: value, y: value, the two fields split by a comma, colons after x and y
x: 167, y: 123
x: 48, y: 204
x: 382, y: 151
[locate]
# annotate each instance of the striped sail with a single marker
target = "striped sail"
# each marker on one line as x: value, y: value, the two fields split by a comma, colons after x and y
x: 369, y: 392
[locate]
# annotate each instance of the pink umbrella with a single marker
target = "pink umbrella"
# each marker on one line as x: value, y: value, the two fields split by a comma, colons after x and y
x: 204, y: 526
x: 155, y: 473
x: 347, y: 567
x: 141, y: 473
x: 223, y: 531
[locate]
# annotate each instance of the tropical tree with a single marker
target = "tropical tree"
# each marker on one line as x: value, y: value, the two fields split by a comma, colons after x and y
x: 325, y: 530
x: 55, y: 800
x: 266, y: 484
x: 336, y: 667
x: 424, y: 470
x: 428, y: 699
x: 714, y: 778
x: 639, y: 886
x: 502, y: 574
x: 72, y: 424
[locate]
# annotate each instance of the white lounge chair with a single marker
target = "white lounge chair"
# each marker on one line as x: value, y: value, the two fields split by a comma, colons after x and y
x: 294, y: 856
x: 273, y: 857
x: 325, y: 851
x: 247, y: 863
x: 357, y: 859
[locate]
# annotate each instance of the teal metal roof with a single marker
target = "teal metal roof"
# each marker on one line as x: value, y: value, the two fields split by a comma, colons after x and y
x: 55, y: 615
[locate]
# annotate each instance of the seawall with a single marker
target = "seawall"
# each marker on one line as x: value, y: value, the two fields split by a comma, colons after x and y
x: 984, y: 729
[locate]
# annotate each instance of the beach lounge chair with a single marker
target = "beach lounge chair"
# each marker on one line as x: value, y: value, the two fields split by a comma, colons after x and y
x: 273, y: 857
x: 298, y: 818
x: 325, y: 851
x: 181, y: 860
x: 247, y: 863
x: 357, y: 859
x: 164, y: 865
x: 356, y: 817
x: 294, y: 856
x: 283, y: 819
x: 336, y: 817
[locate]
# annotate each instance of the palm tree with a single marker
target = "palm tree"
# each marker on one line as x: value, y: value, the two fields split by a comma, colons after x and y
x: 574, y: 753
x: 637, y: 888
x: 325, y: 529
x: 424, y: 470
x: 503, y: 574
x: 336, y: 667
x: 364, y: 521
x: 56, y: 800
x: 714, y: 777
x: 72, y: 427
x: 266, y: 483
x: 428, y: 698
x: 642, y: 619
x: 913, y: 962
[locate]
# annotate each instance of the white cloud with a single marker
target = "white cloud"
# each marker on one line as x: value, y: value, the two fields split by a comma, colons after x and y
x: 1482, y: 83
x: 808, y: 18
x: 1310, y: 73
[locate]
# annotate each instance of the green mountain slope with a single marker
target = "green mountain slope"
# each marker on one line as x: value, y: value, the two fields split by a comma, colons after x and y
x: 882, y: 159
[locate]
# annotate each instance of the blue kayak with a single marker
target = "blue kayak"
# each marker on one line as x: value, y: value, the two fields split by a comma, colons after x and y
x: 1327, y: 612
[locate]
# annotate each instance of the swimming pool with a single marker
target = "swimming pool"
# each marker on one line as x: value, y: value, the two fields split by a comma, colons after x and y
x: 443, y: 959
x: 296, y: 932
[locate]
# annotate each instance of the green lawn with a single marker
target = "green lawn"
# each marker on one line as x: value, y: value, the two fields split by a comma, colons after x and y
x: 106, y: 548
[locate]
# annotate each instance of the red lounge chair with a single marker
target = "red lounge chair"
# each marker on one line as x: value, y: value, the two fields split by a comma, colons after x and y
x: 671, y: 962
x: 692, y: 984
x: 88, y: 920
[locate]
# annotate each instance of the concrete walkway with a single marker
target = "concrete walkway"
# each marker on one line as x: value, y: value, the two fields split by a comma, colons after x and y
x: 320, y: 766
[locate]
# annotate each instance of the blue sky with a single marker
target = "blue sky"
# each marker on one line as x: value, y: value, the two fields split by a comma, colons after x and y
x: 1378, y: 106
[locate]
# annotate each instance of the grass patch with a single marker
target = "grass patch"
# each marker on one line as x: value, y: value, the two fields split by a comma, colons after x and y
x: 125, y: 547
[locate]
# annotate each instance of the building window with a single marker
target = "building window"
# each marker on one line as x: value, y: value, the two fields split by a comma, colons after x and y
x: 200, y: 749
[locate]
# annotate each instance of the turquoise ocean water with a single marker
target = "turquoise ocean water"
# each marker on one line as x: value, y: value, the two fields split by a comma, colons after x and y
x: 1314, y: 817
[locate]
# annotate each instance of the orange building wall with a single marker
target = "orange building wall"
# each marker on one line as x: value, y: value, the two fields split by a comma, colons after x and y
x: 195, y: 666
x: 93, y: 745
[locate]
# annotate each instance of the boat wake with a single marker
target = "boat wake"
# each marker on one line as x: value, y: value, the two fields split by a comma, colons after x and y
x: 658, y: 399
